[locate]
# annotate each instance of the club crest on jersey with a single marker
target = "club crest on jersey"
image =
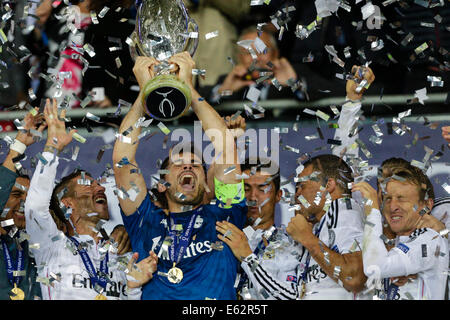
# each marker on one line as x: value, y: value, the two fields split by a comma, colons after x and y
x: 198, y: 222
x: 291, y: 278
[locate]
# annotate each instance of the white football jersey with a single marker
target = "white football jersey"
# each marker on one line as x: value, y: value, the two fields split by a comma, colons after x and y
x: 441, y: 210
x: 424, y: 253
x: 272, y: 271
x: 341, y: 231
x: 347, y: 119
x: 54, y: 257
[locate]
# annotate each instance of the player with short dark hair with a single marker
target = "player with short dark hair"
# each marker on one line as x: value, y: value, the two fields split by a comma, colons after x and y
x: 331, y: 260
x: 84, y: 254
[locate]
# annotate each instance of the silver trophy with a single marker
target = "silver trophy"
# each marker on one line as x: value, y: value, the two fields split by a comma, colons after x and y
x: 164, y: 28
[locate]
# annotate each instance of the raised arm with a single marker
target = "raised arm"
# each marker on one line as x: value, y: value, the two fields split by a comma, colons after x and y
x: 125, y: 146
x: 348, y: 116
x: 214, y: 126
x: 40, y: 224
x: 23, y: 139
x: 237, y: 126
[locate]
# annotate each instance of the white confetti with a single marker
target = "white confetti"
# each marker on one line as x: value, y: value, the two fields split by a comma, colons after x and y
x: 211, y: 35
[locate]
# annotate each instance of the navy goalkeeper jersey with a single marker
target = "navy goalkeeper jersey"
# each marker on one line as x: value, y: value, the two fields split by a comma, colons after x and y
x: 207, y: 273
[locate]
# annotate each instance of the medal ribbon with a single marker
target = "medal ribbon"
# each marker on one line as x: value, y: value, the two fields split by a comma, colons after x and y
x: 95, y: 278
x: 308, y: 259
x: 180, y: 244
x: 10, y: 266
x: 391, y: 289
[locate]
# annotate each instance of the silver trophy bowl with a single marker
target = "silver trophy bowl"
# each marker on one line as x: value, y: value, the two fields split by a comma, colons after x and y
x: 163, y: 29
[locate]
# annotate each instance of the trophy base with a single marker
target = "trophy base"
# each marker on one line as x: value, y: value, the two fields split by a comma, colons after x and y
x: 166, y: 97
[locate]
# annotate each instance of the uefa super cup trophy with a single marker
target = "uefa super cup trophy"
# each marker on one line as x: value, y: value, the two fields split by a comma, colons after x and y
x: 164, y: 28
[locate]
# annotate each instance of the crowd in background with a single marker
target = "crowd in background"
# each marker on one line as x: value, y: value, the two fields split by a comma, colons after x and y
x: 41, y: 44
x: 203, y: 233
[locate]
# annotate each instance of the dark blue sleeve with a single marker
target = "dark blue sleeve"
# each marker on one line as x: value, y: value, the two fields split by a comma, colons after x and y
x: 137, y: 223
x: 7, y: 180
x: 237, y: 214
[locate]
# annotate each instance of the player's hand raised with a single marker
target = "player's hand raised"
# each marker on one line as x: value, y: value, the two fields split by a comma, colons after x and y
x: 362, y: 78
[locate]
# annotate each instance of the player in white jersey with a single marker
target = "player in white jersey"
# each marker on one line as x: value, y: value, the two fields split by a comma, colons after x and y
x: 80, y: 265
x: 347, y: 131
x: 275, y: 271
x: 437, y: 219
x: 269, y: 256
x: 260, y: 236
x: 331, y: 266
x: 417, y: 251
x: 277, y: 255
x: 441, y: 210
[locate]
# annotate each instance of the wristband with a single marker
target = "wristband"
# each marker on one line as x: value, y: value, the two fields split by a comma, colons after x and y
x: 18, y: 146
x: 229, y: 193
x: 250, y: 258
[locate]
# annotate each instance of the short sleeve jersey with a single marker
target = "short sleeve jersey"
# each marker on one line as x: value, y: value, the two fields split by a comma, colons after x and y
x: 207, y: 273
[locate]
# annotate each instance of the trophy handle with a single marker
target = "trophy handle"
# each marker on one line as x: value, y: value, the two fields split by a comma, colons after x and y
x: 139, y: 50
x: 191, y: 43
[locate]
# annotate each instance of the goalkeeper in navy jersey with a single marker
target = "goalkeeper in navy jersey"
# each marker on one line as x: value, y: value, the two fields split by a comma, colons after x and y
x: 193, y: 264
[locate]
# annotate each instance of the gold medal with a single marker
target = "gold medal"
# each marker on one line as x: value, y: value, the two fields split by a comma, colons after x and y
x: 175, y: 275
x: 100, y: 297
x: 18, y: 293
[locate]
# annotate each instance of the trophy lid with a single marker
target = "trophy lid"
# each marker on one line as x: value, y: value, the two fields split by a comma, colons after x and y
x: 164, y: 28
